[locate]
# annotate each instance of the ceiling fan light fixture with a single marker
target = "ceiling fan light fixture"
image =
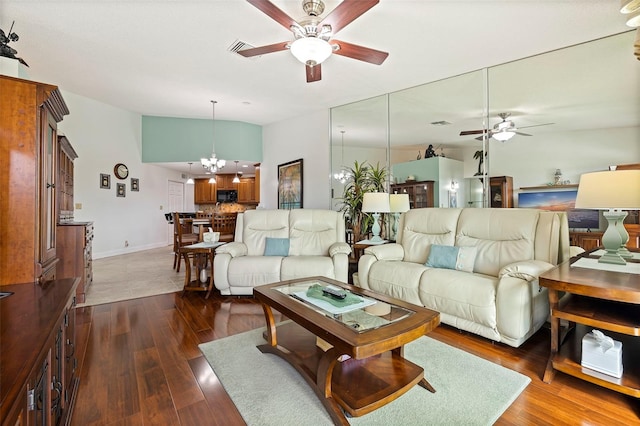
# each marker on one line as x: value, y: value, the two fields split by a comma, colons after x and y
x: 628, y: 6
x: 503, y: 135
x: 633, y: 19
x: 311, y: 50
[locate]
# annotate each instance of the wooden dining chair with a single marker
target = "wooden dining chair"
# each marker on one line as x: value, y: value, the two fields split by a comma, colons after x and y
x: 225, y: 224
x: 183, y: 235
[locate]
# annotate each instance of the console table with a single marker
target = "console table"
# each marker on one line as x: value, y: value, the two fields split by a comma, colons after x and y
x: 605, y: 300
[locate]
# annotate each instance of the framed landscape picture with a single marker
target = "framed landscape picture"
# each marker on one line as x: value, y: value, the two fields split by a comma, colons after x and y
x: 290, y: 185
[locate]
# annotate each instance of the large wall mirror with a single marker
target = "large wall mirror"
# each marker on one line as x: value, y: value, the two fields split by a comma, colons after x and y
x: 577, y: 110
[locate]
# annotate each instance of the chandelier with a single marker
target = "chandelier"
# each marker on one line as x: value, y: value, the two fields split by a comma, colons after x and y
x: 213, y: 164
x: 344, y: 174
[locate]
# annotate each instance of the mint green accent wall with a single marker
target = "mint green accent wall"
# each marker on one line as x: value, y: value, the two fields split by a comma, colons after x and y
x: 425, y: 169
x: 166, y: 139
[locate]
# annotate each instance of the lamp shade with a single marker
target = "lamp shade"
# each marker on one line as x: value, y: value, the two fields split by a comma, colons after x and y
x: 398, y: 203
x: 311, y: 50
x: 615, y: 189
x: 375, y: 202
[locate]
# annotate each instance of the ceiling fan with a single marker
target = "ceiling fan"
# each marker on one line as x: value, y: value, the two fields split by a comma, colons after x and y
x: 502, y: 131
x: 313, y: 35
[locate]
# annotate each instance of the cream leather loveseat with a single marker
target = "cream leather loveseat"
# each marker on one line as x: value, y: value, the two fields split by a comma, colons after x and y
x: 315, y: 242
x: 492, y: 289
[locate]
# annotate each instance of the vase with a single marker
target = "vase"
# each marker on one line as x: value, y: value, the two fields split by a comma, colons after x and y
x: 204, y: 276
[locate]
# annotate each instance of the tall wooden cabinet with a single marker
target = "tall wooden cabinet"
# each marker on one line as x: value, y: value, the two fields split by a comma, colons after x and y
x: 501, y: 191
x: 420, y: 193
x: 29, y: 115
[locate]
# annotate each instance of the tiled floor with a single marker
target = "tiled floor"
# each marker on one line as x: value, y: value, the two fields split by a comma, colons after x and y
x: 129, y: 276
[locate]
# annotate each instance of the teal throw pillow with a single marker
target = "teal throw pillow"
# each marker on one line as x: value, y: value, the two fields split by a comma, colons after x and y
x: 442, y: 257
x: 276, y: 247
x: 451, y: 257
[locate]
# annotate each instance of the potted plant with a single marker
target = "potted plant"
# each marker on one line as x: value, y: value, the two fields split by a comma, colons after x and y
x: 362, y: 178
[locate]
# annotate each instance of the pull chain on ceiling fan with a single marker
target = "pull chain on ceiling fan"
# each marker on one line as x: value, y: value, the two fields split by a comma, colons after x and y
x: 313, y: 42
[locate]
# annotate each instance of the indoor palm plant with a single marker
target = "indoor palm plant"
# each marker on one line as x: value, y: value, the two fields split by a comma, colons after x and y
x: 363, y: 178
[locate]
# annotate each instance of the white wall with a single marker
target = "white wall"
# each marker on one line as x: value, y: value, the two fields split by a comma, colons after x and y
x: 532, y: 161
x: 104, y: 135
x: 305, y: 137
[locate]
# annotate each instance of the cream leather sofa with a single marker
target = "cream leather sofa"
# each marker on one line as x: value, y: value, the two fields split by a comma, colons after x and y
x: 316, y: 241
x: 500, y: 299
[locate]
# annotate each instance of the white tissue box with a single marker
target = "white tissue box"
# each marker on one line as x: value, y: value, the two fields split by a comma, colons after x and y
x: 609, y: 362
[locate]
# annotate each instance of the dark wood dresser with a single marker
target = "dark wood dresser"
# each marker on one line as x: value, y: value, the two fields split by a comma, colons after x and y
x: 38, y: 359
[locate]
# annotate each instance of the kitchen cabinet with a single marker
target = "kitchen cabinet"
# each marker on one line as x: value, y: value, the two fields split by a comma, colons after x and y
x: 205, y: 192
x: 420, y: 193
x: 501, y: 191
x: 225, y: 181
x: 247, y: 190
x: 38, y: 361
x: 29, y: 174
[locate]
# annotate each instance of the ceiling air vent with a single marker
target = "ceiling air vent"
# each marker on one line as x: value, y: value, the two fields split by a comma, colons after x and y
x: 239, y: 45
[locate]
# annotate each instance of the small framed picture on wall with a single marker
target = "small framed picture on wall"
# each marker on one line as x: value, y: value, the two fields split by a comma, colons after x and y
x: 120, y: 190
x: 105, y: 181
x: 135, y: 184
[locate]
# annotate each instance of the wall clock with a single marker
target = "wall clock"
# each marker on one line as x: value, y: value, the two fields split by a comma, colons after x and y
x: 121, y: 171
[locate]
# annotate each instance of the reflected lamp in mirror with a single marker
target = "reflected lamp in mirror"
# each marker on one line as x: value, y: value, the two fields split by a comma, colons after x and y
x: 613, y: 191
x: 631, y: 10
x: 376, y: 203
x: 503, y: 135
x: 398, y: 203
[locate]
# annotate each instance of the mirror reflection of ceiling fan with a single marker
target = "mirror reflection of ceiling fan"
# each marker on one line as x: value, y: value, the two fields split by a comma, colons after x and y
x: 502, y: 131
x: 313, y: 42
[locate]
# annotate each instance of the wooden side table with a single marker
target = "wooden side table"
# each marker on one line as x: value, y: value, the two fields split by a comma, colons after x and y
x: 202, y: 255
x: 605, y: 300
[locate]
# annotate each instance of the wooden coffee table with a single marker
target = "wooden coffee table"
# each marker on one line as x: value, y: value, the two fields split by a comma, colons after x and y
x: 374, y: 371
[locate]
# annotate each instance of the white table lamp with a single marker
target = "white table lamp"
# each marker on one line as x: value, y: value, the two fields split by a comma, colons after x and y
x: 613, y: 191
x: 376, y: 203
x: 399, y: 203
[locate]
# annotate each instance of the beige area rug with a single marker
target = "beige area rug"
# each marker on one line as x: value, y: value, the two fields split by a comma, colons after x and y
x: 130, y: 276
x: 267, y: 391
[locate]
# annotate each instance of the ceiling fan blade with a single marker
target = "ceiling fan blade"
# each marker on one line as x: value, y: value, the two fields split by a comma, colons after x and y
x: 522, y: 134
x: 314, y: 73
x: 472, y: 132
x: 359, y: 52
x: 535, y: 125
x: 256, y: 51
x: 346, y: 12
x: 274, y: 13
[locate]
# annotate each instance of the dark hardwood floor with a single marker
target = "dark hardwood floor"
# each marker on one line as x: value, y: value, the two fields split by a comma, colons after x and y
x: 142, y: 366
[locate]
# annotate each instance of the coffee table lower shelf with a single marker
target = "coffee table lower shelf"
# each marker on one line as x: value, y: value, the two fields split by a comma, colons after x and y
x: 357, y: 386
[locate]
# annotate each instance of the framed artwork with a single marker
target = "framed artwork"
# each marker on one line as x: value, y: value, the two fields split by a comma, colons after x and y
x: 453, y: 199
x: 120, y: 190
x: 135, y: 184
x: 105, y: 181
x: 290, y: 185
